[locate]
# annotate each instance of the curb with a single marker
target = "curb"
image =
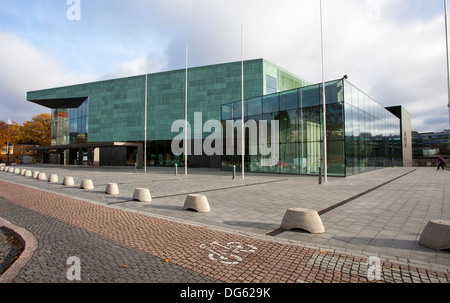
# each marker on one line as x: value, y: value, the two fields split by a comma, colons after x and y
x: 30, y: 244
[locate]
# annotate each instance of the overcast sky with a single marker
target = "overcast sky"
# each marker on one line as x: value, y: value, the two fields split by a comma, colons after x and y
x: 394, y: 50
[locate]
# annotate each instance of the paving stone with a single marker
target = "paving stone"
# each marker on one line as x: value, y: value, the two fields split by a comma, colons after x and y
x: 110, y: 232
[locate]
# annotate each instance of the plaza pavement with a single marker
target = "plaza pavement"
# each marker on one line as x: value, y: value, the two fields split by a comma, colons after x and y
x: 380, y: 213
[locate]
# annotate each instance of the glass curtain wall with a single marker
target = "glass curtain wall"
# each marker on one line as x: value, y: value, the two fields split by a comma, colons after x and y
x: 361, y: 134
x: 372, y: 133
x: 299, y: 113
x: 70, y: 125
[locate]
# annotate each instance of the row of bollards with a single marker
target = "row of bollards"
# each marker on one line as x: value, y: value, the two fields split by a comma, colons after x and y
x: 141, y: 194
x: 195, y: 202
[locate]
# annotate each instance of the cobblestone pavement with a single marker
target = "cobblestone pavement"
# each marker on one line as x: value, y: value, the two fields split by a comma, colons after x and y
x: 10, y: 249
x: 123, y: 243
x: 101, y: 260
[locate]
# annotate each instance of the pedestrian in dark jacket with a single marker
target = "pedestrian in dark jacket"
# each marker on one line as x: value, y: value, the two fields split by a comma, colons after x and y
x: 441, y: 163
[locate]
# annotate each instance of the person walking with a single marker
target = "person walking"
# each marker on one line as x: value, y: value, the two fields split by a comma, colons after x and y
x: 441, y: 163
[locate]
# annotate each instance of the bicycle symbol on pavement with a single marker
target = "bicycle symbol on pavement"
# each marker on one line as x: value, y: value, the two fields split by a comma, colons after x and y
x: 228, y: 253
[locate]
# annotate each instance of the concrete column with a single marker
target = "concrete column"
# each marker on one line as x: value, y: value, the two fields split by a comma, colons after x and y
x: 140, y: 156
x: 96, y: 157
x: 66, y: 157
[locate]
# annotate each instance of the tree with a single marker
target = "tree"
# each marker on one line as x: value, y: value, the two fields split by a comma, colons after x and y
x: 7, y: 133
x: 37, y: 131
x: 3, y: 133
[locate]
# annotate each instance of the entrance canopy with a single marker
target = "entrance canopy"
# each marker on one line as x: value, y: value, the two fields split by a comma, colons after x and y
x: 60, y: 103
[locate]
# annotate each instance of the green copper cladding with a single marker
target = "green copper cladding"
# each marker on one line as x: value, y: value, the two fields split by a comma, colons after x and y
x: 116, y: 107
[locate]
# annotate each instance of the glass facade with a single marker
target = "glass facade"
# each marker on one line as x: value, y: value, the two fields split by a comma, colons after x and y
x: 372, y: 134
x: 70, y: 125
x: 361, y: 134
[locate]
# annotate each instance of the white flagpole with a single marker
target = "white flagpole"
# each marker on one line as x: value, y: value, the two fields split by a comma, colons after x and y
x: 186, y: 117
x: 325, y: 148
x: 7, y: 146
x: 242, y: 103
x: 145, y: 116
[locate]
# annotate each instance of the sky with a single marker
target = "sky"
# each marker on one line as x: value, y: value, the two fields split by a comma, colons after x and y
x: 393, y: 50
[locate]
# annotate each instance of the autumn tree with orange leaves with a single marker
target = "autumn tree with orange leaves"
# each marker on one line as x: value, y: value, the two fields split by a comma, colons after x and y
x: 35, y: 132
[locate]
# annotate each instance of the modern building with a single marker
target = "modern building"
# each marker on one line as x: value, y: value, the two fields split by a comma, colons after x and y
x: 103, y: 122
x: 406, y: 133
x: 361, y: 134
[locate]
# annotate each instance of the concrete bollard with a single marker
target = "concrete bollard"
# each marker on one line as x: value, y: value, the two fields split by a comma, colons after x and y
x: 197, y: 202
x: 35, y: 174
x: 302, y: 218
x: 53, y: 178
x: 42, y: 177
x: 22, y: 171
x: 11, y: 170
x: 87, y: 184
x: 436, y: 235
x: 17, y: 171
x: 112, y: 189
x: 28, y: 173
x: 142, y: 195
x: 68, y: 181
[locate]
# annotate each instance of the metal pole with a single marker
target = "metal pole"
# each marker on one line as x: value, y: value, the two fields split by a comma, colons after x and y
x: 186, y: 116
x: 242, y: 103
x: 325, y: 148
x: 145, y: 117
x: 7, y: 146
x: 448, y: 66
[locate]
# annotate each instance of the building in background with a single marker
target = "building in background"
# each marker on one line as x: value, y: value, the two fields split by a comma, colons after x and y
x: 428, y: 145
x: 103, y: 122
x: 19, y: 153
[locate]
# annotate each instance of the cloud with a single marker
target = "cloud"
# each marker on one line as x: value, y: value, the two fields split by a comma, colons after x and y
x: 392, y: 50
x: 137, y: 67
x: 26, y: 68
